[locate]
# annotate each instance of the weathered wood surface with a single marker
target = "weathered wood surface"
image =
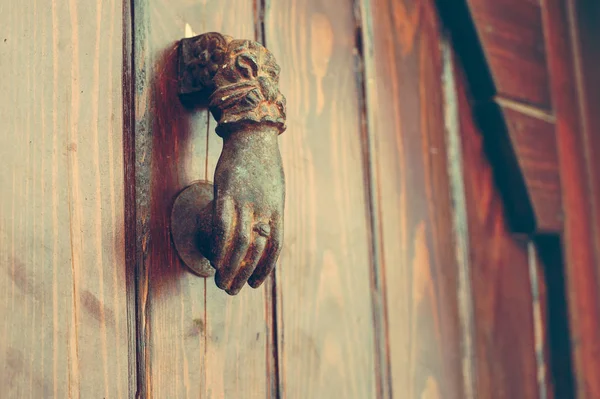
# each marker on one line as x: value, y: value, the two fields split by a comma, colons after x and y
x: 63, y: 309
x: 570, y: 56
x: 326, y: 339
x: 368, y: 299
x: 196, y: 340
x: 512, y: 38
x: 366, y: 291
x: 411, y: 195
x: 501, y: 45
x: 533, y: 139
x: 503, y: 319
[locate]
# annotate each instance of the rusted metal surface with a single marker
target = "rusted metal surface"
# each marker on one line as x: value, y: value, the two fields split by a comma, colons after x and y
x: 240, y: 232
x: 191, y: 226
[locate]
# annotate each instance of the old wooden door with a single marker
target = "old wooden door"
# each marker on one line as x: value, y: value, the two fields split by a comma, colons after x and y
x: 401, y: 275
x: 362, y: 234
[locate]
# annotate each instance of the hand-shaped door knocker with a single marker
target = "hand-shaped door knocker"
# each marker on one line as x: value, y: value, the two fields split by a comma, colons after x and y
x: 237, y: 225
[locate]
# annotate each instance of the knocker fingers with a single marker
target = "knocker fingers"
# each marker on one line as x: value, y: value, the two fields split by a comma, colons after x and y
x: 271, y: 253
x: 241, y: 243
x: 254, y: 255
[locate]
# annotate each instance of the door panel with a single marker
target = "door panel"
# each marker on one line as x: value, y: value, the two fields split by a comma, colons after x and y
x: 399, y: 276
x: 63, y: 308
x: 365, y: 300
x: 196, y: 341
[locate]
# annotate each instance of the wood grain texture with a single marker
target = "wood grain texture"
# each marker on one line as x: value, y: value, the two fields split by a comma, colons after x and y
x: 418, y: 266
x: 533, y: 140
x: 586, y: 15
x: 195, y: 340
x: 240, y: 360
x: 511, y: 35
x: 64, y: 313
x: 326, y: 339
x: 579, y: 176
x: 488, y: 96
x: 504, y: 345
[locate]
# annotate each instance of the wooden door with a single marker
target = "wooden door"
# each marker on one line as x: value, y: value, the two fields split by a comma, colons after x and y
x: 364, y: 300
x: 417, y: 262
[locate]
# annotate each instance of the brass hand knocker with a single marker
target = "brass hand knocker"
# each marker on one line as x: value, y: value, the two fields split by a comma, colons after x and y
x: 239, y: 233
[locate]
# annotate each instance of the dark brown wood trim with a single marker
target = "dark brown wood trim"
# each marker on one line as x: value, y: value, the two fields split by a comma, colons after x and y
x: 499, y: 148
x: 533, y: 140
x: 504, y: 357
x: 511, y: 34
x: 577, y: 170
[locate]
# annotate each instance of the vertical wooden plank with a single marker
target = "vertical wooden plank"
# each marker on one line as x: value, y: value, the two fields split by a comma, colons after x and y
x: 580, y: 176
x: 460, y: 219
x: 402, y: 48
x: 64, y: 311
x: 585, y: 16
x: 201, y: 342
x: 326, y: 341
x: 504, y: 345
